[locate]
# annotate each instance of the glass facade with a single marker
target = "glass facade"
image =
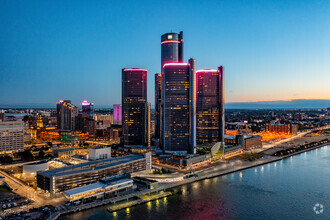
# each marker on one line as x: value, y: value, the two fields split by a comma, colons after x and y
x: 208, y: 106
x: 134, y: 106
x: 158, y: 100
x: 171, y: 48
x: 175, y: 108
x: 171, y: 52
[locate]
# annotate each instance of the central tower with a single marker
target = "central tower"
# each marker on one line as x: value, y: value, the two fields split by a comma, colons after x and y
x: 171, y: 52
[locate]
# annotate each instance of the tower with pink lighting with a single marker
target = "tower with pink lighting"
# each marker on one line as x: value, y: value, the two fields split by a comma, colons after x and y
x: 210, y: 106
x: 178, y: 108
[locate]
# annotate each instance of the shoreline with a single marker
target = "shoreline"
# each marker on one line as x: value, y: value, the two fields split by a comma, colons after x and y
x: 187, y: 181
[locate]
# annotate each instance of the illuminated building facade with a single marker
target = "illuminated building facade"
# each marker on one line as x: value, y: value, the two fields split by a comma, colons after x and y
x: 69, y: 177
x: 117, y: 114
x: 85, y: 124
x: 11, y: 136
x: 282, y: 128
x: 88, y: 108
x: 148, y: 136
x: 208, y: 106
x: 178, y: 104
x: 66, y: 115
x: 171, y: 52
x: 134, y: 106
x: 40, y: 123
x: 158, y: 101
x: 171, y: 48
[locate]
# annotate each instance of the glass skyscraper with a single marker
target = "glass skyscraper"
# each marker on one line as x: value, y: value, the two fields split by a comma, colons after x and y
x: 178, y: 124
x: 209, y: 106
x: 158, y: 100
x: 88, y: 108
x: 171, y: 52
x: 134, y: 106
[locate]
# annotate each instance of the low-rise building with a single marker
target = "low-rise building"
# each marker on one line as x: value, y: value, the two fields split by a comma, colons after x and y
x: 100, y: 153
x: 63, y: 153
x: 65, y: 178
x: 33, y: 168
x: 107, y: 187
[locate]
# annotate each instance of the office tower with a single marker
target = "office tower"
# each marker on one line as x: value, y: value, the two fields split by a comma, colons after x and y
x: 171, y: 52
x: 208, y: 105
x: 11, y: 136
x: 171, y: 48
x: 117, y: 111
x: 66, y: 115
x: 85, y: 123
x: 88, y: 108
x: 178, y: 107
x: 222, y: 103
x: 158, y: 101
x: 134, y: 106
x: 148, y: 136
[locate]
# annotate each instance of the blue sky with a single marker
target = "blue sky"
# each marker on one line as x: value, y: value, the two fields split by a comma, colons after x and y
x: 271, y: 50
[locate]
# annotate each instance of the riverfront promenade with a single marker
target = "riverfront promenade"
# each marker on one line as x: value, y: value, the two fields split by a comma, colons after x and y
x: 217, y: 170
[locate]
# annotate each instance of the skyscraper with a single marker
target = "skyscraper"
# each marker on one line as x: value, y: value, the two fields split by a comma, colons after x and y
x: 158, y: 100
x: 171, y: 48
x: 66, y: 115
x: 178, y: 124
x: 87, y: 108
x: 222, y: 104
x: 148, y: 136
x: 134, y: 106
x: 209, y: 106
x: 117, y: 113
x: 171, y: 52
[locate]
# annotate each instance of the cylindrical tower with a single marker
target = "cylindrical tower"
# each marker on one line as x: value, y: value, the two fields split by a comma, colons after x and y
x: 192, y: 107
x: 222, y: 103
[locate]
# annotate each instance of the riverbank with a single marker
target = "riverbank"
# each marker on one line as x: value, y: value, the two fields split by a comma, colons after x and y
x: 210, y: 173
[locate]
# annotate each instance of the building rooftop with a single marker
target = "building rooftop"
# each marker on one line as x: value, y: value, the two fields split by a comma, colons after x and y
x: 94, y: 187
x: 91, y: 166
x: 65, y: 149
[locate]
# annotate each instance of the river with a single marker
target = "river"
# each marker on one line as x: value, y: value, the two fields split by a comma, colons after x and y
x: 286, y: 189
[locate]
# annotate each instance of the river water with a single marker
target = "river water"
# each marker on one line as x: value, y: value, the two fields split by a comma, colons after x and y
x: 286, y: 189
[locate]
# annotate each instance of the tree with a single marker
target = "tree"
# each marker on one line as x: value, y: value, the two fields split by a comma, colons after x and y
x: 27, y: 155
x: 6, y: 159
x: 41, y: 154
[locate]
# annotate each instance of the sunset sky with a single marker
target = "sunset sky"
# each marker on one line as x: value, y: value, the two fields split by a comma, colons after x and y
x: 271, y: 50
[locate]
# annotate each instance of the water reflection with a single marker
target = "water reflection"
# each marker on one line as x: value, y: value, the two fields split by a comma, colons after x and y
x: 272, y: 195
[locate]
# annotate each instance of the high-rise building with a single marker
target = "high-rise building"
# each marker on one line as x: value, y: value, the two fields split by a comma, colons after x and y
x: 88, y: 108
x: 158, y: 101
x: 222, y: 103
x: 208, y: 105
x: 85, y: 123
x: 117, y: 114
x: 171, y: 52
x: 178, y: 103
x: 148, y: 136
x: 11, y: 136
x: 171, y: 48
x: 66, y: 115
x: 134, y: 106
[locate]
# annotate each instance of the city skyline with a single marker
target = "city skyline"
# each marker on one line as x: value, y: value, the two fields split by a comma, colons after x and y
x: 75, y: 47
